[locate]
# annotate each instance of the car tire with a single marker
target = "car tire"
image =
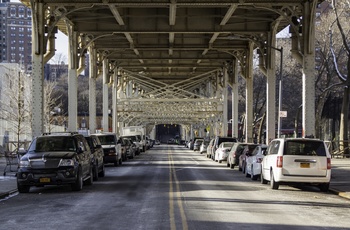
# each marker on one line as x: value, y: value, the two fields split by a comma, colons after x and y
x: 120, y: 161
x: 232, y: 166
x: 274, y: 185
x: 220, y: 161
x: 90, y: 179
x: 102, y: 173
x: 23, y: 188
x: 252, y: 176
x: 246, y: 171
x: 262, y: 179
x: 243, y: 168
x: 78, y: 185
x: 95, y: 172
x: 324, y: 187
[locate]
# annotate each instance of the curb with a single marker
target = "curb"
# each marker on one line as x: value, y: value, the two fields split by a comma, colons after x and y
x: 7, y: 194
x: 343, y: 194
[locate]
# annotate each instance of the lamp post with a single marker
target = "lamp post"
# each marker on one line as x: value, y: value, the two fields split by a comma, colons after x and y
x: 279, y: 124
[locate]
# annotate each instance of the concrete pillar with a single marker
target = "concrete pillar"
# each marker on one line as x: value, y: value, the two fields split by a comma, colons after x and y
x: 72, y: 81
x: 235, y: 99
x: 105, y: 96
x: 38, y: 35
x: 92, y: 90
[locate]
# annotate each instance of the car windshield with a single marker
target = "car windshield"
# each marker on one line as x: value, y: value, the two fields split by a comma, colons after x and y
x: 306, y: 148
x: 107, y: 140
x: 227, y: 145
x: 45, y: 144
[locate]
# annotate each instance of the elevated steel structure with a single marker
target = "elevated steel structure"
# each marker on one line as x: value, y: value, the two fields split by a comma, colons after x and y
x: 171, y: 61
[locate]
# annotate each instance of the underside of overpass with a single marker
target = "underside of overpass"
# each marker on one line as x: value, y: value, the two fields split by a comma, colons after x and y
x: 171, y: 61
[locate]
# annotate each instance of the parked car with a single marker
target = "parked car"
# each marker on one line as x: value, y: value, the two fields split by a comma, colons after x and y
x: 204, y: 146
x: 136, y: 140
x: 210, y: 148
x: 297, y: 160
x: 197, y: 144
x: 111, y: 148
x: 253, y: 161
x: 248, y: 149
x: 192, y: 141
x: 234, y: 153
x: 222, y: 152
x: 56, y: 159
x: 130, y: 148
x: 218, y: 140
x: 97, y: 156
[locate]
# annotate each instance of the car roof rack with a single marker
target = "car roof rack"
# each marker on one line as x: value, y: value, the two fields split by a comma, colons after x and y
x: 60, y: 133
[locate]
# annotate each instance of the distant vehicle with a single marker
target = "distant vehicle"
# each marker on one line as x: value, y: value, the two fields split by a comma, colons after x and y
x: 136, y: 140
x: 218, y: 140
x: 204, y: 145
x: 295, y: 161
x: 136, y: 130
x: 111, y: 148
x: 253, y: 161
x: 248, y: 149
x: 222, y: 152
x: 56, y: 159
x: 234, y: 154
x: 210, y: 148
x: 197, y: 144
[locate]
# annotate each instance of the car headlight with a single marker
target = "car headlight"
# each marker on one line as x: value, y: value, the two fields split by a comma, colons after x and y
x: 24, y: 164
x: 66, y: 162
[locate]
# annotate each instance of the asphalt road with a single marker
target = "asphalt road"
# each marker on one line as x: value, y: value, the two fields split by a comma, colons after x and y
x: 171, y: 187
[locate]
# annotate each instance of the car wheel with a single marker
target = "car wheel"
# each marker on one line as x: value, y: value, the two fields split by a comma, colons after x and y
x: 243, y: 168
x: 273, y: 183
x: 262, y: 179
x: 246, y: 171
x: 227, y: 164
x: 90, y: 179
x: 95, y: 172
x: 78, y: 185
x: 232, y: 166
x: 120, y: 161
x: 220, y: 161
x: 23, y: 188
x: 252, y: 176
x: 102, y: 173
x: 324, y: 187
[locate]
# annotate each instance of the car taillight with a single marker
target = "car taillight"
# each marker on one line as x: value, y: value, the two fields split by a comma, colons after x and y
x: 279, y: 162
x: 329, y: 163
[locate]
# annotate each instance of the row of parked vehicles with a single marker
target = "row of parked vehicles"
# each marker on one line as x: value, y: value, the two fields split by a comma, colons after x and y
x: 73, y: 159
x: 283, y: 161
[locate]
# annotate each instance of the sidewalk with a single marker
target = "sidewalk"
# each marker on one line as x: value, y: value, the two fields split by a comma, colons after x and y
x: 340, y: 182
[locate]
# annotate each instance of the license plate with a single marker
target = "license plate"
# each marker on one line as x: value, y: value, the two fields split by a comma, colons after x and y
x: 44, y: 180
x: 304, y: 165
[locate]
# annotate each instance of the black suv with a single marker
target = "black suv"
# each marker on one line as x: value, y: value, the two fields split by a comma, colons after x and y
x: 55, y: 159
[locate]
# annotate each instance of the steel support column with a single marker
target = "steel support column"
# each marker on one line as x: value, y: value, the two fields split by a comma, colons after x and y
x: 308, y: 78
x: 271, y: 89
x: 114, y: 101
x: 72, y: 80
x: 92, y: 89
x: 38, y: 51
x: 235, y: 98
x: 249, y: 95
x: 105, y: 96
x: 225, y: 109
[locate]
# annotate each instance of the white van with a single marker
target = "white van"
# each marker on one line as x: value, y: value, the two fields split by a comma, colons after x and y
x: 297, y: 160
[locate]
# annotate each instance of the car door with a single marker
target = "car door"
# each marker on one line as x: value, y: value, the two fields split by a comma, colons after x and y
x: 85, y: 155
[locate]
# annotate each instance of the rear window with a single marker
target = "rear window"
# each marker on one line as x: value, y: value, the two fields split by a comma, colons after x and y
x: 305, y: 148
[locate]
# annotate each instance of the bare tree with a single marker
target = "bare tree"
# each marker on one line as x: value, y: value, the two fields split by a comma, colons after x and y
x: 341, y: 58
x: 15, y: 103
x: 52, y: 105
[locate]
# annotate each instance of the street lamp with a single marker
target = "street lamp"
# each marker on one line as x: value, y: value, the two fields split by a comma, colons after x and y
x: 279, y: 92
